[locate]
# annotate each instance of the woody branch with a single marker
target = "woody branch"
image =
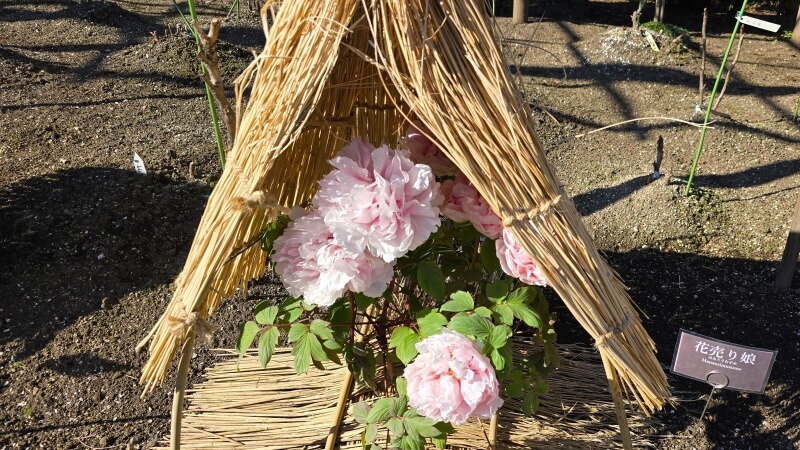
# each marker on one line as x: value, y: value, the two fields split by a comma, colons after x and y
x: 213, y: 78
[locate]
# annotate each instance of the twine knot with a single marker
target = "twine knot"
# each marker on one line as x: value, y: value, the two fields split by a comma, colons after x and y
x: 182, y: 323
x: 249, y: 203
x: 602, y: 341
x: 522, y: 215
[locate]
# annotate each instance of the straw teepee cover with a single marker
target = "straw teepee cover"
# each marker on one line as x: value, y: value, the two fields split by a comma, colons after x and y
x: 336, y: 69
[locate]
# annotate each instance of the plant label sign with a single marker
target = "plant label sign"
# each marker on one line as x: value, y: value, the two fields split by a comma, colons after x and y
x: 722, y: 364
x: 138, y: 164
x: 758, y: 23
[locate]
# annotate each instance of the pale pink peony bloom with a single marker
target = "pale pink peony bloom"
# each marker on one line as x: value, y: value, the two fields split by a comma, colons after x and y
x: 463, y: 202
x: 450, y: 380
x: 425, y: 151
x: 516, y: 262
x: 379, y: 200
x: 312, y: 265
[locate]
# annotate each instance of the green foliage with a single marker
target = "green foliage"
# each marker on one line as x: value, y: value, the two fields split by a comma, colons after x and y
x: 453, y: 281
x: 431, y: 279
x: 669, y: 30
x: 430, y: 322
x: 474, y: 326
x: 404, y: 341
x: 489, y: 256
x: 266, y: 345
x: 460, y: 301
x: 272, y: 231
x: 407, y: 429
x: 266, y: 313
x: 247, y: 332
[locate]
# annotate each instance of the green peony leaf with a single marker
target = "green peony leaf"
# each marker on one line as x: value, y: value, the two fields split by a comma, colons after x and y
x: 541, y: 388
x: 520, y: 303
x: 370, y: 433
x: 247, y: 332
x: 430, y: 322
x: 498, y: 290
x: 266, y: 313
x: 395, y: 427
x: 404, y: 341
x: 530, y: 403
x: 504, y: 313
x: 445, y: 428
x: 499, y: 335
x: 266, y: 345
x: 473, y: 274
x: 460, y: 301
x: 422, y: 426
x: 379, y: 412
x: 516, y: 388
x: 297, y: 331
x: 360, y: 411
x: 402, y: 385
x: 398, y: 406
x: 456, y: 284
x: 431, y: 279
x: 301, y: 351
x: 474, y: 325
x: 484, y: 312
x: 321, y: 328
x: 363, y: 302
x: 290, y: 310
x: 339, y: 315
x: 315, y: 346
x: 489, y: 256
x: 498, y: 361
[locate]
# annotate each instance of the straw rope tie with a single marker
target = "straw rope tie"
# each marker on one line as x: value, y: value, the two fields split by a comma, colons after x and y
x: 602, y: 341
x: 522, y: 215
x: 183, y: 323
x: 236, y: 169
x: 248, y: 204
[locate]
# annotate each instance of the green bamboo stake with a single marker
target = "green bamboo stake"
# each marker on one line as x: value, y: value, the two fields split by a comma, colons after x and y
x: 212, y: 107
x: 711, y: 101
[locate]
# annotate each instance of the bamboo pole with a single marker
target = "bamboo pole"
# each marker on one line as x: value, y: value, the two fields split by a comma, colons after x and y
x: 341, y: 409
x: 493, y: 431
x: 711, y: 102
x: 180, y: 390
x: 619, y: 405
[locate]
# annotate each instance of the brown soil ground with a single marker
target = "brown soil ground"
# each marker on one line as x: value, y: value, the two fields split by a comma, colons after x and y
x: 88, y: 248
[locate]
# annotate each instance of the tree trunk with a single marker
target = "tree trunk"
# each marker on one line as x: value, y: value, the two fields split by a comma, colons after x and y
x: 660, y: 11
x: 637, y: 15
x: 520, y: 11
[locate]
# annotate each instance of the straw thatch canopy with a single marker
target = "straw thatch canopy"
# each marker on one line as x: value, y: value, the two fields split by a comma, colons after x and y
x: 336, y: 69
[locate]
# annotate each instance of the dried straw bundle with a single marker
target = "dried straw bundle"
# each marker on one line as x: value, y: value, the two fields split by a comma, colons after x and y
x: 335, y: 69
x: 249, y: 407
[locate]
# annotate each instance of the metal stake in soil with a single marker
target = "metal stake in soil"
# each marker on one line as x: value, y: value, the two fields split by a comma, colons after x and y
x: 711, y: 101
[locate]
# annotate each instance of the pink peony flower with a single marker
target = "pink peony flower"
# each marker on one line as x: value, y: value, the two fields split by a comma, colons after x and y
x: 379, y: 200
x: 463, y: 202
x: 312, y: 265
x: 450, y: 380
x: 516, y: 262
x: 424, y: 151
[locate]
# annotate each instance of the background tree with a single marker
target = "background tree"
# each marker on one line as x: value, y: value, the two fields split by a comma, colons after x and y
x: 521, y: 8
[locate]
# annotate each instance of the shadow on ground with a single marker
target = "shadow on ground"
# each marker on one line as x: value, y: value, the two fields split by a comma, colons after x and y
x: 78, y: 240
x: 726, y: 298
